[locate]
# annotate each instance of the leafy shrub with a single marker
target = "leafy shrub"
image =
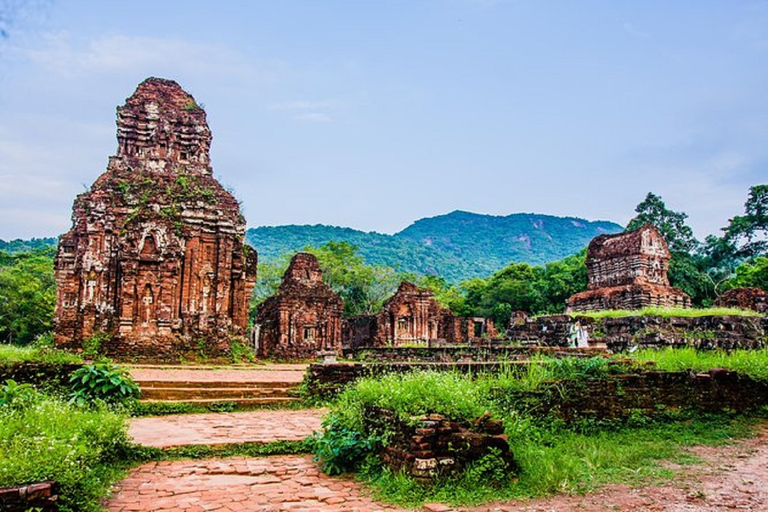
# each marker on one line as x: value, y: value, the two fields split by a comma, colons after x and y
x: 241, y: 353
x: 102, y: 381
x: 340, y: 449
x: 17, y: 396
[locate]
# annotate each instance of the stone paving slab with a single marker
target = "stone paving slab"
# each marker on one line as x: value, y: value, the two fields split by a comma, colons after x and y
x: 293, y: 373
x: 222, y: 428
x: 239, y: 484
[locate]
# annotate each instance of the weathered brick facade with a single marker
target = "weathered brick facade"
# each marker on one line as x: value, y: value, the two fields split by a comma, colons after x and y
x: 744, y: 298
x: 303, y: 317
x: 628, y: 271
x: 412, y: 316
x: 155, y: 259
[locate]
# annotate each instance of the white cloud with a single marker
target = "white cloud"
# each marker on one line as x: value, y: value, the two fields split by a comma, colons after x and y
x: 630, y: 29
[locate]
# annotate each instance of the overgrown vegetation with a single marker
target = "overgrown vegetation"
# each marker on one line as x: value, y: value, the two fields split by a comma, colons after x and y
x: 753, y: 363
x: 669, y: 312
x: 46, y: 438
x: 102, y: 382
x: 27, y: 295
x: 552, y: 456
x: 12, y: 354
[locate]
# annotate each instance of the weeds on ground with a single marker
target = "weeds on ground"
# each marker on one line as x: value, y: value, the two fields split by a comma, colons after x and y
x: 45, y: 438
x: 668, y: 312
x: 552, y: 456
x: 12, y: 355
x: 753, y: 363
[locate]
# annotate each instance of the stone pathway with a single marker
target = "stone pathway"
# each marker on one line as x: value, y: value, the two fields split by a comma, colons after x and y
x: 267, y: 373
x: 221, y: 428
x: 279, y: 483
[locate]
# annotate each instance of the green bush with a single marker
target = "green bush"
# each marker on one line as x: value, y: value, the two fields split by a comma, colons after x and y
x: 17, y: 396
x: 340, y: 449
x: 102, y: 382
x: 43, y: 438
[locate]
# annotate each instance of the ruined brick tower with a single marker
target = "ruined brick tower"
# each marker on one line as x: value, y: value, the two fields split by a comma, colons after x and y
x: 628, y: 271
x: 155, y: 259
x: 303, y: 317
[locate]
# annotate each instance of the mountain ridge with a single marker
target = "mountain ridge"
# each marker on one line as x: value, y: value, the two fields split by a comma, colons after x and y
x: 458, y: 245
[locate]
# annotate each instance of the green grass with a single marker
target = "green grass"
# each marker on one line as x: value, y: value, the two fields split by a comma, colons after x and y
x: 552, y: 456
x: 568, y: 462
x: 43, y: 438
x: 667, y: 312
x: 147, y: 453
x: 12, y: 354
x: 753, y: 363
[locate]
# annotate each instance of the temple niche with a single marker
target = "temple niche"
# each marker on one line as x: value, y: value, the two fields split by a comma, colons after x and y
x: 412, y: 316
x: 155, y: 260
x: 628, y: 271
x: 303, y: 317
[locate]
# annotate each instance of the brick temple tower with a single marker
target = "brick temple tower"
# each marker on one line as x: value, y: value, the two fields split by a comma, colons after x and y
x: 155, y: 260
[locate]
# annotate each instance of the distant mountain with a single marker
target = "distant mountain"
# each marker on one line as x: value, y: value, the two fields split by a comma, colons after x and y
x: 458, y: 246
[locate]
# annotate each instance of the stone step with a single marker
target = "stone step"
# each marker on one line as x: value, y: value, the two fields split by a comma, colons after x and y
x: 238, y: 401
x: 150, y: 384
x: 182, y: 393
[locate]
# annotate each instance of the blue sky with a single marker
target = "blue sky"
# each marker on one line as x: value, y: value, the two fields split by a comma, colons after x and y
x: 372, y: 114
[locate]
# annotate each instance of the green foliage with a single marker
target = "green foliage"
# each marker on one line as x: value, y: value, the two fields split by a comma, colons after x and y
x: 239, y: 352
x: 552, y: 457
x: 668, y: 312
x: 457, y: 246
x: 749, y: 232
x: 16, y: 395
x: 364, y: 288
x: 92, y: 345
x: 521, y: 287
x: 11, y: 355
x: 102, y: 382
x: 340, y: 449
x: 753, y: 363
x: 49, y: 439
x: 32, y: 245
x: 751, y: 273
x: 671, y: 224
x: 27, y: 295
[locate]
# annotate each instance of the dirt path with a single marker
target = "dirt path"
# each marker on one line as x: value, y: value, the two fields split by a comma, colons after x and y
x: 730, y: 478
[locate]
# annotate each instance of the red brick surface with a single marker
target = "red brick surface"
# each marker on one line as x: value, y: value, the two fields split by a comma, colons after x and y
x: 224, y: 428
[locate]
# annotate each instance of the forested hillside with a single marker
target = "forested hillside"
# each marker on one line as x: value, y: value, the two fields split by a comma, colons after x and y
x: 457, y: 246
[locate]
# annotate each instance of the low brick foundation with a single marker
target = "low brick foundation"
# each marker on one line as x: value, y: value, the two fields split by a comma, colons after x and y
x: 40, y: 497
x: 463, y: 353
x: 435, y: 446
x: 647, y: 393
x: 617, y: 334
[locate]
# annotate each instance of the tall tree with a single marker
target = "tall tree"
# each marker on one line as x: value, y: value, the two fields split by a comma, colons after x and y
x: 748, y: 233
x: 671, y: 224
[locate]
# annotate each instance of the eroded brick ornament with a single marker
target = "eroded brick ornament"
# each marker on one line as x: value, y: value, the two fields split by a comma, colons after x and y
x: 155, y: 260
